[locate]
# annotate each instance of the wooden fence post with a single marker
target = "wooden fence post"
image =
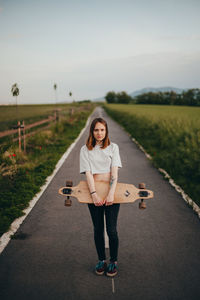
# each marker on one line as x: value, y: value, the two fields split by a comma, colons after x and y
x: 24, y: 136
x: 71, y: 111
x: 19, y: 136
x: 55, y: 116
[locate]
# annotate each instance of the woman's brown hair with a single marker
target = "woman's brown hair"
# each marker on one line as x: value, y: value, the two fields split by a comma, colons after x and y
x: 91, y: 142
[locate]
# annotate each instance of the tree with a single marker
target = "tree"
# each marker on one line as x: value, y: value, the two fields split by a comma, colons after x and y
x: 55, y: 88
x: 70, y: 94
x: 111, y: 97
x: 123, y: 98
x: 191, y: 97
x: 15, y: 93
x: 197, y: 96
x: 173, y: 97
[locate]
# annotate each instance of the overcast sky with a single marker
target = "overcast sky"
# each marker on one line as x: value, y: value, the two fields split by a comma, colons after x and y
x: 90, y: 47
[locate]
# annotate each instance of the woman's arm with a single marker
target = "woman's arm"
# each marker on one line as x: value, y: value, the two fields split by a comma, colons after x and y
x: 91, y: 184
x: 90, y: 181
x: 113, y: 184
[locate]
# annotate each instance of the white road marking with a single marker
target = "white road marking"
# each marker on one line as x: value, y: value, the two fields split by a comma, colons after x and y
x: 100, y: 113
x: 185, y: 197
x: 5, y: 238
x: 113, y: 285
x: 105, y: 234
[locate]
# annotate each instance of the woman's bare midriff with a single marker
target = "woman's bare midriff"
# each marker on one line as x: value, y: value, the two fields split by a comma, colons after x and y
x: 102, y: 177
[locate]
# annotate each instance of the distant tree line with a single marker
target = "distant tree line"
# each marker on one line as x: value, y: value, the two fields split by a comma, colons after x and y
x: 122, y: 97
x: 190, y: 97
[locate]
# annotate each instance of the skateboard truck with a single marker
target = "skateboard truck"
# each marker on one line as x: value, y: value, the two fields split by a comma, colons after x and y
x: 68, y: 191
x: 142, y: 204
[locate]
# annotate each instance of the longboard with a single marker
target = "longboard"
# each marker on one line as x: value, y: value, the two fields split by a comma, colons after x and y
x: 124, y: 193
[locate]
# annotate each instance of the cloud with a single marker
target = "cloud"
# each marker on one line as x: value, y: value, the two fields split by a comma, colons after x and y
x: 1, y: 8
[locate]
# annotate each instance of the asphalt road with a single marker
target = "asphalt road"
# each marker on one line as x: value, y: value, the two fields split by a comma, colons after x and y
x: 159, y: 250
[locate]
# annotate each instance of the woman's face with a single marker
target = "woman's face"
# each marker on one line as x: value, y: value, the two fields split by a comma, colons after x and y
x: 99, y: 132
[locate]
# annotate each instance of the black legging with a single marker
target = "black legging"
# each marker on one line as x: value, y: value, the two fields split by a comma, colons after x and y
x: 111, y: 213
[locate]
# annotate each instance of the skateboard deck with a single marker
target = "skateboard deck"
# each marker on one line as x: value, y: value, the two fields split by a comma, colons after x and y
x: 124, y: 193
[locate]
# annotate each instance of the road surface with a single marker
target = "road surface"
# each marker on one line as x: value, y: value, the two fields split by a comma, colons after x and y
x: 159, y: 251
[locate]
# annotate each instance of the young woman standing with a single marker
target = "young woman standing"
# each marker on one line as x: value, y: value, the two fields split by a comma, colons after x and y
x: 99, y: 160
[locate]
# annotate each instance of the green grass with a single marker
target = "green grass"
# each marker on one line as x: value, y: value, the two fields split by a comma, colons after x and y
x: 171, y: 134
x: 22, y: 175
x: 30, y: 113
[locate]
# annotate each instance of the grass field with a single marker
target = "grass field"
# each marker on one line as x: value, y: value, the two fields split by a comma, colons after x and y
x: 22, y: 175
x: 9, y: 115
x: 171, y: 134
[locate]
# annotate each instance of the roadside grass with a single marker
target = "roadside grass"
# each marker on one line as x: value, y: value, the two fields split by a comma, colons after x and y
x: 171, y: 135
x: 22, y: 175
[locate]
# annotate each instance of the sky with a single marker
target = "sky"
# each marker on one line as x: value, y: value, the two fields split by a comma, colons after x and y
x: 90, y: 47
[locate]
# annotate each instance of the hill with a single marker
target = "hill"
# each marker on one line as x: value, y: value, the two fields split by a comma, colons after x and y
x: 147, y: 90
x: 155, y: 90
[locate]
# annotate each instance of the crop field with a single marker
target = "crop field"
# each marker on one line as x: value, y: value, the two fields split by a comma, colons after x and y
x: 171, y: 135
x: 22, y: 173
x: 9, y: 115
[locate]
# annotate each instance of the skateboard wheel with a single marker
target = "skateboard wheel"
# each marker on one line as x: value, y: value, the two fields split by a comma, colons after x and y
x: 69, y: 183
x: 142, y: 185
x: 68, y: 202
x: 142, y: 205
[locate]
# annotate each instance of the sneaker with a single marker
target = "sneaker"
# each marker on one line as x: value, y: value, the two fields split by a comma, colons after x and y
x: 112, y: 269
x: 100, y: 267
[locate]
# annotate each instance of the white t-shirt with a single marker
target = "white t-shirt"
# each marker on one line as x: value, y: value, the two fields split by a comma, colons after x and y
x: 99, y: 160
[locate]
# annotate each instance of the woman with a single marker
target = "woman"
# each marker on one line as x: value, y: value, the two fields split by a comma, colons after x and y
x: 99, y: 160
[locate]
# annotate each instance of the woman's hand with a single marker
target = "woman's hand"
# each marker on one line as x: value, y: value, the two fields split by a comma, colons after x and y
x: 97, y: 200
x: 109, y: 199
